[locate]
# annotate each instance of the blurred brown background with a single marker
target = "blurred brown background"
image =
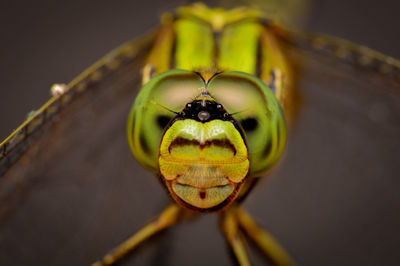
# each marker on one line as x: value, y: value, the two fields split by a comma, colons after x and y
x: 44, y: 42
x: 335, y: 202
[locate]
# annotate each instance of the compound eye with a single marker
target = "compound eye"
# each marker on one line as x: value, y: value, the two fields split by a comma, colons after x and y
x: 163, y: 120
x: 253, y: 104
x: 249, y: 124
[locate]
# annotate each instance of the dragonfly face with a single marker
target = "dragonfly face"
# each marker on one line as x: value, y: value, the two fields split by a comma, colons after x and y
x: 206, y: 135
x: 203, y: 155
x: 208, y: 119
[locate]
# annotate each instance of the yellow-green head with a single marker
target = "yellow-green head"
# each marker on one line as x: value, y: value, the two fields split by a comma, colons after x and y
x: 203, y: 155
x: 205, y: 135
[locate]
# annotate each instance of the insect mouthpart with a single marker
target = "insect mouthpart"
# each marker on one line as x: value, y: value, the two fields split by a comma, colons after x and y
x: 203, y: 156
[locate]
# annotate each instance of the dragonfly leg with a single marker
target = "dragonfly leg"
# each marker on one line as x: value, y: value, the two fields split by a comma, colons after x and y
x: 230, y: 228
x: 266, y: 242
x: 170, y: 216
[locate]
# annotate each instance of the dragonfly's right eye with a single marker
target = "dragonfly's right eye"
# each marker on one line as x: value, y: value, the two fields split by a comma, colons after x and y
x: 163, y: 120
x: 249, y: 124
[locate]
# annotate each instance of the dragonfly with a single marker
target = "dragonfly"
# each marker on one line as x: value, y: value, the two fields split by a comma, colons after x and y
x: 210, y: 119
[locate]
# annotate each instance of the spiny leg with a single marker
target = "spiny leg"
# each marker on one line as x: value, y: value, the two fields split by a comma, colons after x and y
x: 230, y: 228
x: 266, y: 242
x: 169, y: 217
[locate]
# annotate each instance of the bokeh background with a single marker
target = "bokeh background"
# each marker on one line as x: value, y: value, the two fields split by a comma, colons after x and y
x: 45, y: 42
x: 335, y: 202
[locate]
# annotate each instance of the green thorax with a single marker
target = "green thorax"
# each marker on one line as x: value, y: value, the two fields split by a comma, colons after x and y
x: 200, y: 38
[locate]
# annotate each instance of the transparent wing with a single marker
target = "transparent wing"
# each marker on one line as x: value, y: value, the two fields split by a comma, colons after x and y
x: 70, y: 189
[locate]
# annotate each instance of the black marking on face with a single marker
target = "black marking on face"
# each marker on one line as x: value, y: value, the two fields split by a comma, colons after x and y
x: 221, y: 143
x: 204, y: 111
x: 202, y: 194
x: 224, y: 143
x: 214, y: 109
x: 179, y: 142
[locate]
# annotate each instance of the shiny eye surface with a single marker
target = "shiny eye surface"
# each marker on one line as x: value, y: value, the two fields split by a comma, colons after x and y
x: 163, y: 120
x: 154, y: 107
x: 255, y: 107
x: 249, y: 124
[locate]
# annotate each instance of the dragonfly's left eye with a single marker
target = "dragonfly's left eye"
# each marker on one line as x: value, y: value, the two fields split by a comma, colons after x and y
x: 153, y: 110
x: 249, y: 124
x: 163, y: 120
x: 253, y: 104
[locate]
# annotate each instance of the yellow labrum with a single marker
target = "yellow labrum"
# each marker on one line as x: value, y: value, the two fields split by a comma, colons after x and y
x: 203, y: 164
